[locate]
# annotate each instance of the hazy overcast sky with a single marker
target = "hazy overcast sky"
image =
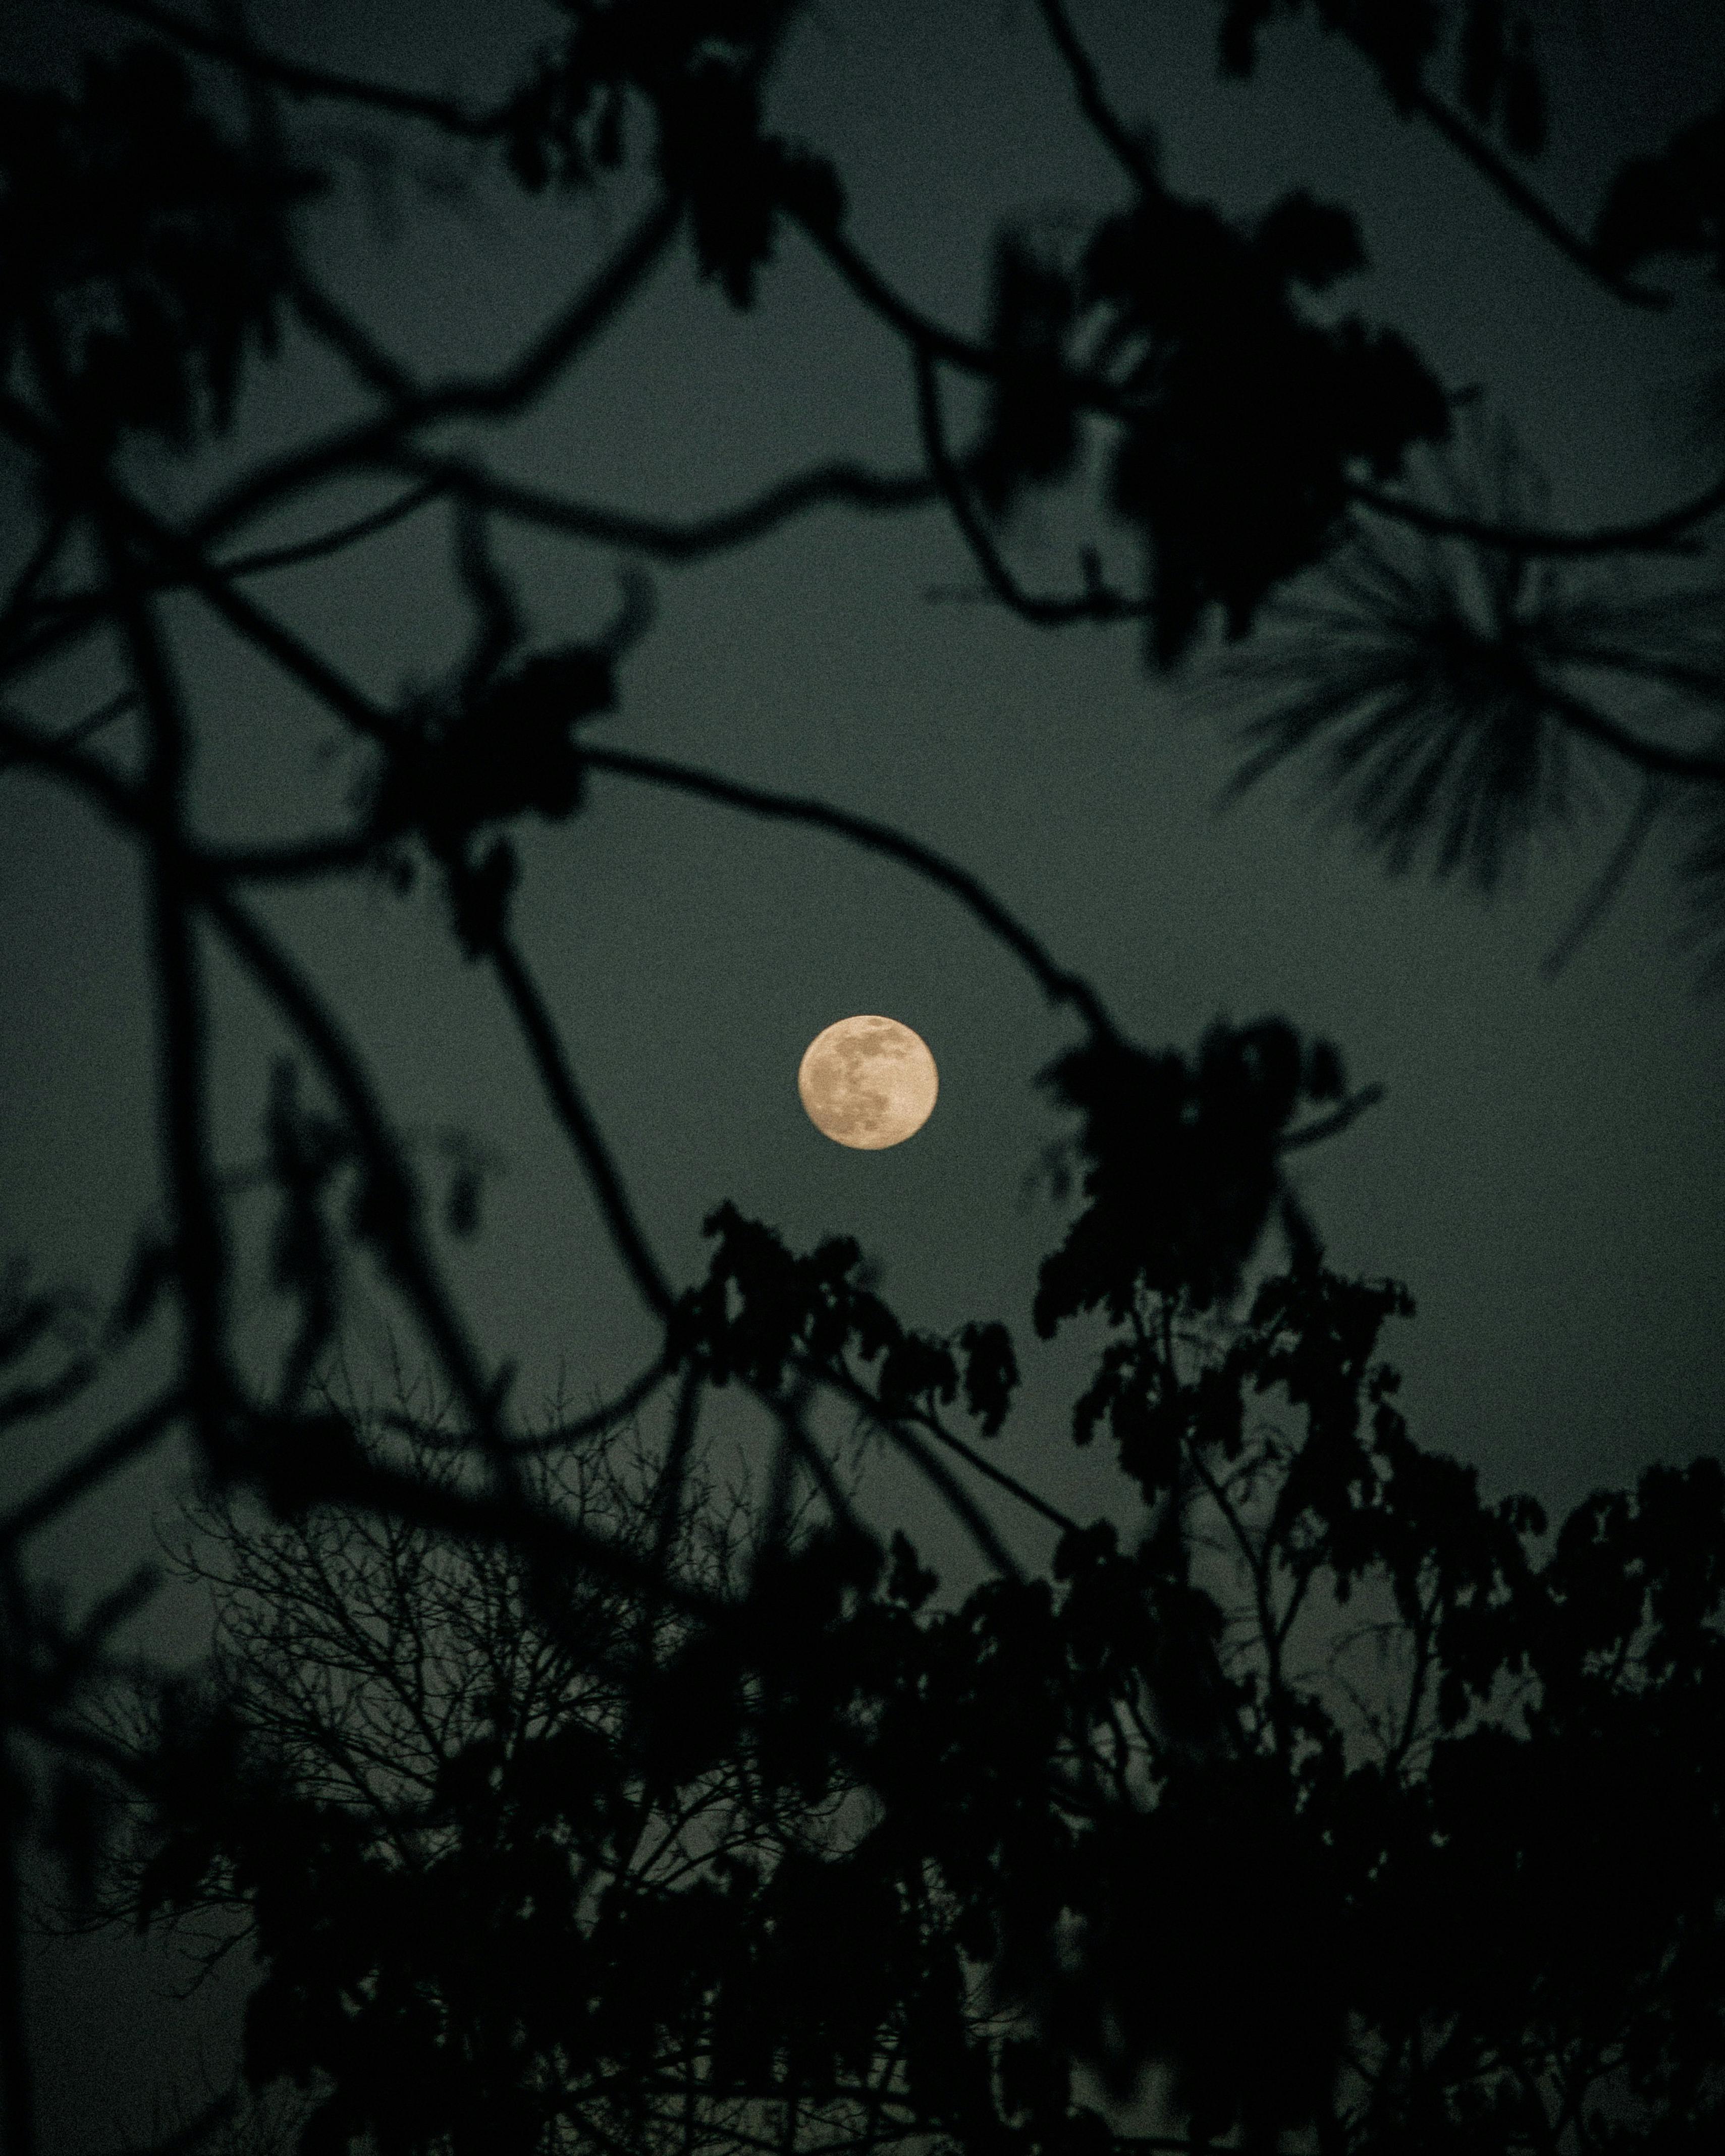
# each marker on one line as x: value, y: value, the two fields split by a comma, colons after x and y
x: 1548, y: 1174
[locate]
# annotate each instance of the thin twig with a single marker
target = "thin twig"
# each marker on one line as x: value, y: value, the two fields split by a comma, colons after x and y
x: 117, y: 798
x: 1059, y: 986
x: 123, y: 1444
x: 544, y: 1537
x: 269, y: 558
x: 1668, y: 531
x: 933, y: 1471
x: 1127, y: 151
x: 301, y: 81
x: 41, y: 560
x: 31, y: 1403
x: 395, y: 1203
x: 1514, y: 191
x: 666, y: 538
x: 200, y: 1239
x: 249, y: 621
x: 393, y: 1209
x: 1327, y: 1127
x: 628, y: 1403
x: 918, y: 329
x: 576, y: 1118
x: 1608, y: 883
x: 1651, y: 757
x: 131, y: 524
x: 380, y: 371
x: 840, y: 483
x: 1099, y: 603
x: 500, y: 396
x: 983, y: 1466
x: 75, y: 736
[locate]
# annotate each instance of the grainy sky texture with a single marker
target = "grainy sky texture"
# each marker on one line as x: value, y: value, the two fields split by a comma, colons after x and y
x: 1547, y: 1172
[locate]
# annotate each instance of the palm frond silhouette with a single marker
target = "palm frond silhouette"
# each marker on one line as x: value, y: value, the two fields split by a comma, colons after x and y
x: 1415, y: 667
x: 1459, y: 696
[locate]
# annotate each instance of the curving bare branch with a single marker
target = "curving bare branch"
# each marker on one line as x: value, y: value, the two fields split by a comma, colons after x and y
x: 1669, y: 530
x: 1509, y: 184
x: 1097, y: 604
x: 1060, y: 987
x: 1126, y: 150
x: 573, y: 1113
x: 301, y: 81
x: 672, y: 539
x: 505, y: 394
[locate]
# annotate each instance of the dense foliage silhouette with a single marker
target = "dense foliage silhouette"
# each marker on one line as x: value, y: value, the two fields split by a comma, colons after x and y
x: 1364, y: 1950
x: 1265, y: 1817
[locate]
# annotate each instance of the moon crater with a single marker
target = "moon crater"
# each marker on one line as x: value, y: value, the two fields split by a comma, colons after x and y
x: 868, y: 1082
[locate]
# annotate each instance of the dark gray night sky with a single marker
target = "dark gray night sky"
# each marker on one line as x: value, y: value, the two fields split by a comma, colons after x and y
x: 1547, y: 1174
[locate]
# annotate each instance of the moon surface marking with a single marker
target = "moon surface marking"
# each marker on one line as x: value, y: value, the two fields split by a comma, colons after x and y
x: 868, y: 1082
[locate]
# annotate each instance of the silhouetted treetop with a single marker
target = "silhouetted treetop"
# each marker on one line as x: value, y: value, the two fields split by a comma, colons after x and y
x: 1271, y: 1800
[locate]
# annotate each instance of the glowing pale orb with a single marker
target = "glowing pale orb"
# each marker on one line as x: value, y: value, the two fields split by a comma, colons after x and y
x: 868, y: 1082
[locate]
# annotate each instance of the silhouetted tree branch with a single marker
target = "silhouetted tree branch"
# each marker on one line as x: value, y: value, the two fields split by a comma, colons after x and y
x: 1060, y: 986
x: 1514, y: 191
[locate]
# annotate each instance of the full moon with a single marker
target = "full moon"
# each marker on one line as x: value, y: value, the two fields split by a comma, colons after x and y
x: 868, y: 1082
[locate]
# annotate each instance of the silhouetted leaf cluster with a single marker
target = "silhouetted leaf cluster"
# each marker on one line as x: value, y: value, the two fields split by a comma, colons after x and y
x: 1398, y: 36
x: 763, y: 1314
x: 1125, y: 1814
x: 1500, y: 77
x: 504, y: 750
x: 141, y: 252
x: 697, y: 64
x: 1033, y: 434
x: 1242, y: 414
x: 526, y: 1916
x: 1247, y: 416
x: 1592, y: 1837
x: 1497, y: 69
x: 1182, y: 1169
x: 1673, y: 204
